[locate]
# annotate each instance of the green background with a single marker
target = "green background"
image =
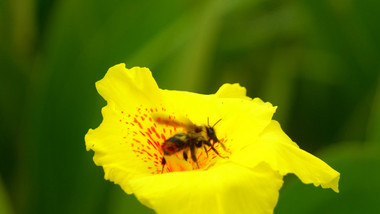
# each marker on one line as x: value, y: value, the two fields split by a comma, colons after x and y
x: 319, y: 61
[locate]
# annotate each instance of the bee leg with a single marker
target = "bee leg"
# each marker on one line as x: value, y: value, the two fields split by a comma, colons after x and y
x: 205, y: 150
x: 184, y: 154
x: 214, y: 141
x: 193, y: 157
x: 222, y: 144
x: 213, y: 149
x: 163, y: 162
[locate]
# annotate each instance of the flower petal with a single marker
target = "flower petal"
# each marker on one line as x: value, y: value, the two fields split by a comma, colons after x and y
x: 276, y: 148
x: 121, y: 143
x: 224, y: 188
x: 232, y: 91
x: 119, y: 162
x: 128, y: 87
x: 235, y: 113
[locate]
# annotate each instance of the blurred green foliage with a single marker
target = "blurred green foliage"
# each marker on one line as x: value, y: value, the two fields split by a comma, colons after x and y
x: 319, y: 61
x: 359, y: 184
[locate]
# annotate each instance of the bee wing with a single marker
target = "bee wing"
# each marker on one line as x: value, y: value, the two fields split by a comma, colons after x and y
x: 181, y: 121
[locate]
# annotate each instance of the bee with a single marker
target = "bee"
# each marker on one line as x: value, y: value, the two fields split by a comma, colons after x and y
x: 193, y: 137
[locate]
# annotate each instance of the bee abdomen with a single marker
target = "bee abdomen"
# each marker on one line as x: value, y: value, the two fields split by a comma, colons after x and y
x: 174, y: 144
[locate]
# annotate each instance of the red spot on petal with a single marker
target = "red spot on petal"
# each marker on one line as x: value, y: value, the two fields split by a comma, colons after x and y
x: 138, y: 123
x: 155, y: 132
x: 200, y: 154
x: 163, y: 137
x: 147, y: 152
x: 158, y: 144
x: 150, y: 142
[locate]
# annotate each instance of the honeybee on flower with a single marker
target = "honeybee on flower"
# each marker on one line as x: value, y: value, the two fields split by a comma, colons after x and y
x: 194, y: 137
x: 142, y: 153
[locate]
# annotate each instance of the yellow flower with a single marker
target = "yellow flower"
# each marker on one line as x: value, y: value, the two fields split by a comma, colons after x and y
x: 128, y: 144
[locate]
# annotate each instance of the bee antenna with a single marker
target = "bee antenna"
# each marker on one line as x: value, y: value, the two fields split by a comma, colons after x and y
x: 216, y: 123
x: 208, y: 121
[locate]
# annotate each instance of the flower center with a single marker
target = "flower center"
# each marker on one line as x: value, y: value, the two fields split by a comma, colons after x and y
x: 146, y: 135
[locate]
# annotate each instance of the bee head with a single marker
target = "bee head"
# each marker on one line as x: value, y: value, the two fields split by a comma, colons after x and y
x: 211, y: 132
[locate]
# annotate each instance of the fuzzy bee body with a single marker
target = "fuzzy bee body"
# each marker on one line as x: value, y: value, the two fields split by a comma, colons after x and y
x: 193, y: 137
x: 175, y: 144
